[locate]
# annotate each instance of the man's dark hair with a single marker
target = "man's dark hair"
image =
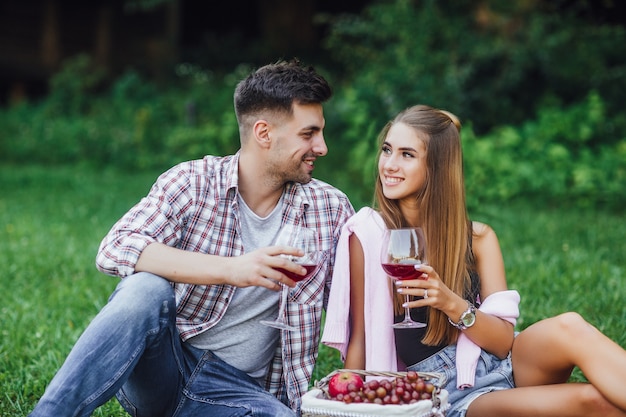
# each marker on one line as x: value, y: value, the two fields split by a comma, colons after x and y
x: 276, y: 87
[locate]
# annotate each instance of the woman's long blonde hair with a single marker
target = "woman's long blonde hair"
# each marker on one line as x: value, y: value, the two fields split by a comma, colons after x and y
x: 442, y: 209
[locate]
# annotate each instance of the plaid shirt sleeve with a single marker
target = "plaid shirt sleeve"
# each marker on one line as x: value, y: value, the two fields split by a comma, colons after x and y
x: 158, y: 217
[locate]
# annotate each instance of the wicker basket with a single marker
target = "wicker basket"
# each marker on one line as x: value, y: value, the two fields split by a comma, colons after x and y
x: 316, y: 402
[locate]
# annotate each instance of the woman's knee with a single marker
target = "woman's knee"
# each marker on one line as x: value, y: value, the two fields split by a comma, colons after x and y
x: 569, y: 324
x: 554, y: 328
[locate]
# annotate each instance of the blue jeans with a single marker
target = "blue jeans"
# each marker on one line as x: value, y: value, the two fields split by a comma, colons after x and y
x: 492, y: 374
x: 132, y: 349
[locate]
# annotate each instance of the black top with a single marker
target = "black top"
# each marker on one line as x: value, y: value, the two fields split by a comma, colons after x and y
x: 409, y: 347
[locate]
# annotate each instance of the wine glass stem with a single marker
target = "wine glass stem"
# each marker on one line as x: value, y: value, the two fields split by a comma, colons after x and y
x: 282, y: 303
x: 407, y: 314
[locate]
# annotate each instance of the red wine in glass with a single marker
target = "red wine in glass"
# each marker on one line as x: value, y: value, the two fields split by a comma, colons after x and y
x: 297, y: 278
x: 402, y: 250
x: 307, y: 240
x: 403, y: 271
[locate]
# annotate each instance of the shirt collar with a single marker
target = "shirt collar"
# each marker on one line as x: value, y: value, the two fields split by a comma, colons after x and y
x: 232, y: 174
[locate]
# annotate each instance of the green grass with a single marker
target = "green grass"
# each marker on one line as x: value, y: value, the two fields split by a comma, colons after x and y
x: 52, y: 221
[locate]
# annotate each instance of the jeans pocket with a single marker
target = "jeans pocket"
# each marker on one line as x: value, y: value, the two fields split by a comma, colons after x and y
x: 126, y: 403
x: 217, y: 389
x: 213, y: 380
x: 494, y: 370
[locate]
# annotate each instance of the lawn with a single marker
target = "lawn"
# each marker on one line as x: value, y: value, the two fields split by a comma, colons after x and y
x: 52, y: 221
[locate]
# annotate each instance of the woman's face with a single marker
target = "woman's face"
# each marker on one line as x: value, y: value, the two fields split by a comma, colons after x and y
x: 402, y: 163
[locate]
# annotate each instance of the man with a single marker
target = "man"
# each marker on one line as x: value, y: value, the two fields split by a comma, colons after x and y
x: 180, y: 335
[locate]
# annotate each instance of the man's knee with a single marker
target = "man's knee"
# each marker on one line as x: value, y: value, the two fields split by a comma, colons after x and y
x: 144, y: 291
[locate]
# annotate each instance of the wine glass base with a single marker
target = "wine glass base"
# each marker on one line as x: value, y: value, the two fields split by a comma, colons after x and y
x: 278, y: 325
x: 409, y: 325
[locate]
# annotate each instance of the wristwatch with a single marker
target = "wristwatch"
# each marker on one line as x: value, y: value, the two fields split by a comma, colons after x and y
x: 468, y: 318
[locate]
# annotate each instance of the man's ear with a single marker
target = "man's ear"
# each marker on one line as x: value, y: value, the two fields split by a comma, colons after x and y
x: 261, y: 132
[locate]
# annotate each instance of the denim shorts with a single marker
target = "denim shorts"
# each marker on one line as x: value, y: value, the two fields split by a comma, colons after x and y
x: 492, y: 374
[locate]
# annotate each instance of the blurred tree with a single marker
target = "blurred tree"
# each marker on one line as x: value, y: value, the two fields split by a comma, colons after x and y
x: 152, y: 36
x: 492, y: 62
x: 287, y: 25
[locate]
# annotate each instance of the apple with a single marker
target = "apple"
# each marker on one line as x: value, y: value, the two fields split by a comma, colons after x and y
x: 344, y: 382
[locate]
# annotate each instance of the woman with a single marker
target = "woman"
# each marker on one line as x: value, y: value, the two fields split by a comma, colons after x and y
x: 464, y: 297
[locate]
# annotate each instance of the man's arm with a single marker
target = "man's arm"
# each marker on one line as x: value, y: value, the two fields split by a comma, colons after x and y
x: 257, y: 268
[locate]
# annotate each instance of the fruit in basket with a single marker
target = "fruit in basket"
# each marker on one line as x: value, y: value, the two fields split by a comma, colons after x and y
x: 406, y: 389
x: 344, y: 383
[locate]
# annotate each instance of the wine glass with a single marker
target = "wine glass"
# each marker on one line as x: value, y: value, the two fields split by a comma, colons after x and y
x: 305, y: 239
x: 402, y: 249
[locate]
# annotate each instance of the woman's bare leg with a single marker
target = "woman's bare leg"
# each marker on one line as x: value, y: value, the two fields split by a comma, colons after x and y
x: 559, y: 400
x: 546, y: 353
x: 544, y: 356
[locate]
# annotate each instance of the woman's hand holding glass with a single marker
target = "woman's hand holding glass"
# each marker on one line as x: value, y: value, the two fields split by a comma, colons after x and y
x: 429, y: 290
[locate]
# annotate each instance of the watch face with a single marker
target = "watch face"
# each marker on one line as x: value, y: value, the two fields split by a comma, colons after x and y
x: 468, y: 319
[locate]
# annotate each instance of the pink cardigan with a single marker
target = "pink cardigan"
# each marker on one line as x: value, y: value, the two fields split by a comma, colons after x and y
x: 380, y: 348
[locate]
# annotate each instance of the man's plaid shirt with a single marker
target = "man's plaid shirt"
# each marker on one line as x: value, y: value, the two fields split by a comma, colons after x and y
x: 193, y: 206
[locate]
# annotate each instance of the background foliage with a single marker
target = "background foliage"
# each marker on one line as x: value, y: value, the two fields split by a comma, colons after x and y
x: 539, y: 95
x: 494, y: 64
x: 539, y: 91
